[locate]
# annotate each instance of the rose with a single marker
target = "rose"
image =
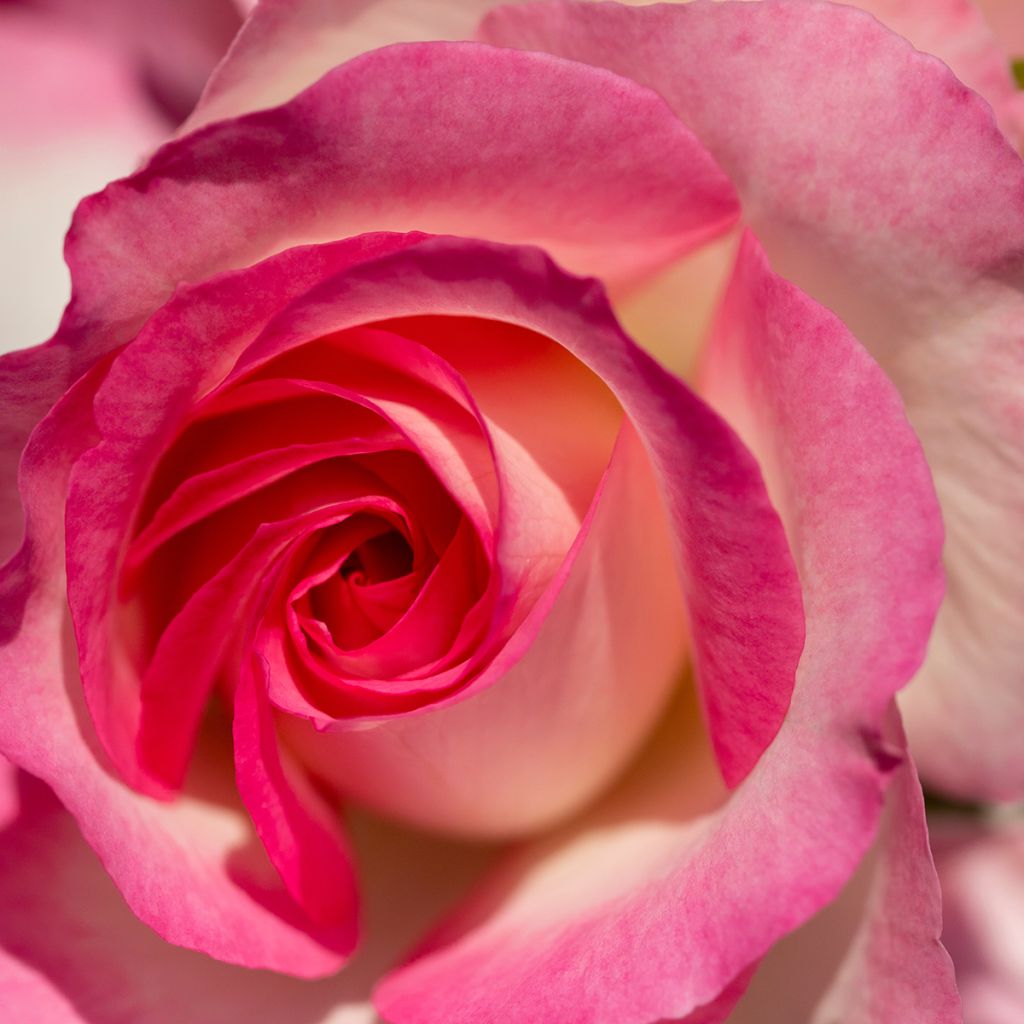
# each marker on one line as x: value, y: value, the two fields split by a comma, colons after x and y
x: 802, y: 481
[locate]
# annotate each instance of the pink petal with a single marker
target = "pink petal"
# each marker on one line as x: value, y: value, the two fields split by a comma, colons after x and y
x: 71, y: 952
x: 298, y: 829
x: 729, y: 542
x: 873, y: 956
x: 981, y: 867
x: 286, y: 45
x: 896, y: 969
x: 957, y: 32
x: 503, y: 160
x: 865, y: 225
x: 659, y: 899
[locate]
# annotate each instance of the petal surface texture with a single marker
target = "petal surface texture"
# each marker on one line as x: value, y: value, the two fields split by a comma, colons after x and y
x: 874, y: 953
x: 850, y: 150
x: 957, y: 32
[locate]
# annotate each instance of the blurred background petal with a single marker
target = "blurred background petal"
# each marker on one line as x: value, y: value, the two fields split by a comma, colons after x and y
x: 86, y: 91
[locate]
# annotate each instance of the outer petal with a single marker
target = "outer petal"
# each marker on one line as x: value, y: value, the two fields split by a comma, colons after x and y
x: 71, y: 952
x: 981, y: 867
x: 736, y: 569
x: 521, y: 148
x: 896, y: 969
x: 881, y: 936
x: 957, y: 32
x: 656, y: 899
x: 850, y: 150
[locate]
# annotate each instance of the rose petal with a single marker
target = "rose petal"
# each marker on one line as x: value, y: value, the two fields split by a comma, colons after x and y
x: 71, y: 952
x: 298, y: 829
x: 608, y: 895
x: 522, y: 148
x: 881, y: 935
x: 865, y: 226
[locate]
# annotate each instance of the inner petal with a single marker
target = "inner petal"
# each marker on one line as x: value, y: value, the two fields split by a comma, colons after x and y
x: 361, y: 581
x: 378, y: 560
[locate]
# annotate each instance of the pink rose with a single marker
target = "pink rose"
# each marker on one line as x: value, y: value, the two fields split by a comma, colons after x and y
x: 338, y: 486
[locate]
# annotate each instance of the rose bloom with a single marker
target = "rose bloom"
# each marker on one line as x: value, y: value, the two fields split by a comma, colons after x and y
x: 470, y: 526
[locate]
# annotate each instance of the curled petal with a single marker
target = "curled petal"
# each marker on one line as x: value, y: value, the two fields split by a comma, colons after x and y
x: 957, y: 31
x: 297, y: 828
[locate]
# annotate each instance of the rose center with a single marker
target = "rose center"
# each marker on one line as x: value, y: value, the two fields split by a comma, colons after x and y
x: 377, y: 560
